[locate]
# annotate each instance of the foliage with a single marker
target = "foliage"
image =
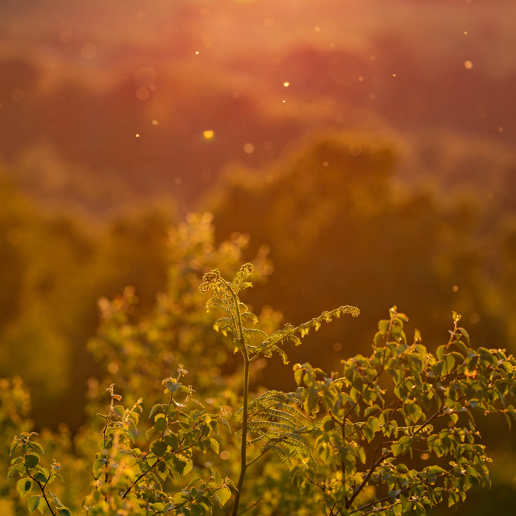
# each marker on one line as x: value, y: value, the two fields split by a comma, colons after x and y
x: 350, y: 442
x: 54, y: 269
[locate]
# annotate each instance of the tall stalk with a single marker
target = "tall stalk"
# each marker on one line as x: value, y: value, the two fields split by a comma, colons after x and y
x: 243, y: 350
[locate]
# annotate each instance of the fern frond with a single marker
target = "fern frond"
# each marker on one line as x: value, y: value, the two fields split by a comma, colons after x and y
x: 253, y: 332
x: 225, y: 325
x: 249, y: 316
x: 293, y: 333
x: 216, y: 302
x: 285, y: 427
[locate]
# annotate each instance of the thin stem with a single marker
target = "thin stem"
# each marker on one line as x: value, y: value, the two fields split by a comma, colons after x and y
x: 251, y: 506
x: 243, y: 349
x: 243, y: 449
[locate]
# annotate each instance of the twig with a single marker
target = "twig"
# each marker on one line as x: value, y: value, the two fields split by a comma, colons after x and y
x: 250, y: 507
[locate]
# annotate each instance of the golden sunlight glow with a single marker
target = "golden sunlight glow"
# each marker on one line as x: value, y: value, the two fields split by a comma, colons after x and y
x: 208, y: 134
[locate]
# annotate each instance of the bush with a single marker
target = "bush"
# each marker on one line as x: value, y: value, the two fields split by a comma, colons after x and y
x: 391, y: 433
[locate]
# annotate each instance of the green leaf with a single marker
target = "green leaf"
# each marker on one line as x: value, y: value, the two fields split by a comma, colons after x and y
x: 402, y: 446
x: 64, y: 511
x: 41, y: 477
x: 98, y: 465
x: 33, y: 503
x: 465, y: 333
x: 393, y: 494
x: 449, y: 362
x: 173, y: 385
x: 462, y: 346
x: 172, y: 441
x: 159, y: 448
x: 31, y: 460
x: 34, y: 445
x: 24, y: 485
x: 223, y: 495
x: 14, y: 446
x: 16, y: 468
x: 214, y: 445
x: 56, y: 499
x: 383, y: 326
x: 161, y: 423
x: 156, y: 407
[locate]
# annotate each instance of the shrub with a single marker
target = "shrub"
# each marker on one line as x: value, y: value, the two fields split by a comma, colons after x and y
x: 391, y: 433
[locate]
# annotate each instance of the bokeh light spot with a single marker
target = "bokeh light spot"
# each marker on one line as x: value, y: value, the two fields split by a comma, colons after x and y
x: 17, y: 94
x: 468, y: 65
x: 88, y: 51
x: 208, y: 134
x: 355, y: 149
x: 13, y: 236
x: 248, y: 148
x: 286, y: 84
x: 142, y: 93
x: 65, y: 36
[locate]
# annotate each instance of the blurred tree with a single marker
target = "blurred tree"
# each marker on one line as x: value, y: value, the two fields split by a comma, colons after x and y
x: 341, y: 227
x: 52, y: 271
